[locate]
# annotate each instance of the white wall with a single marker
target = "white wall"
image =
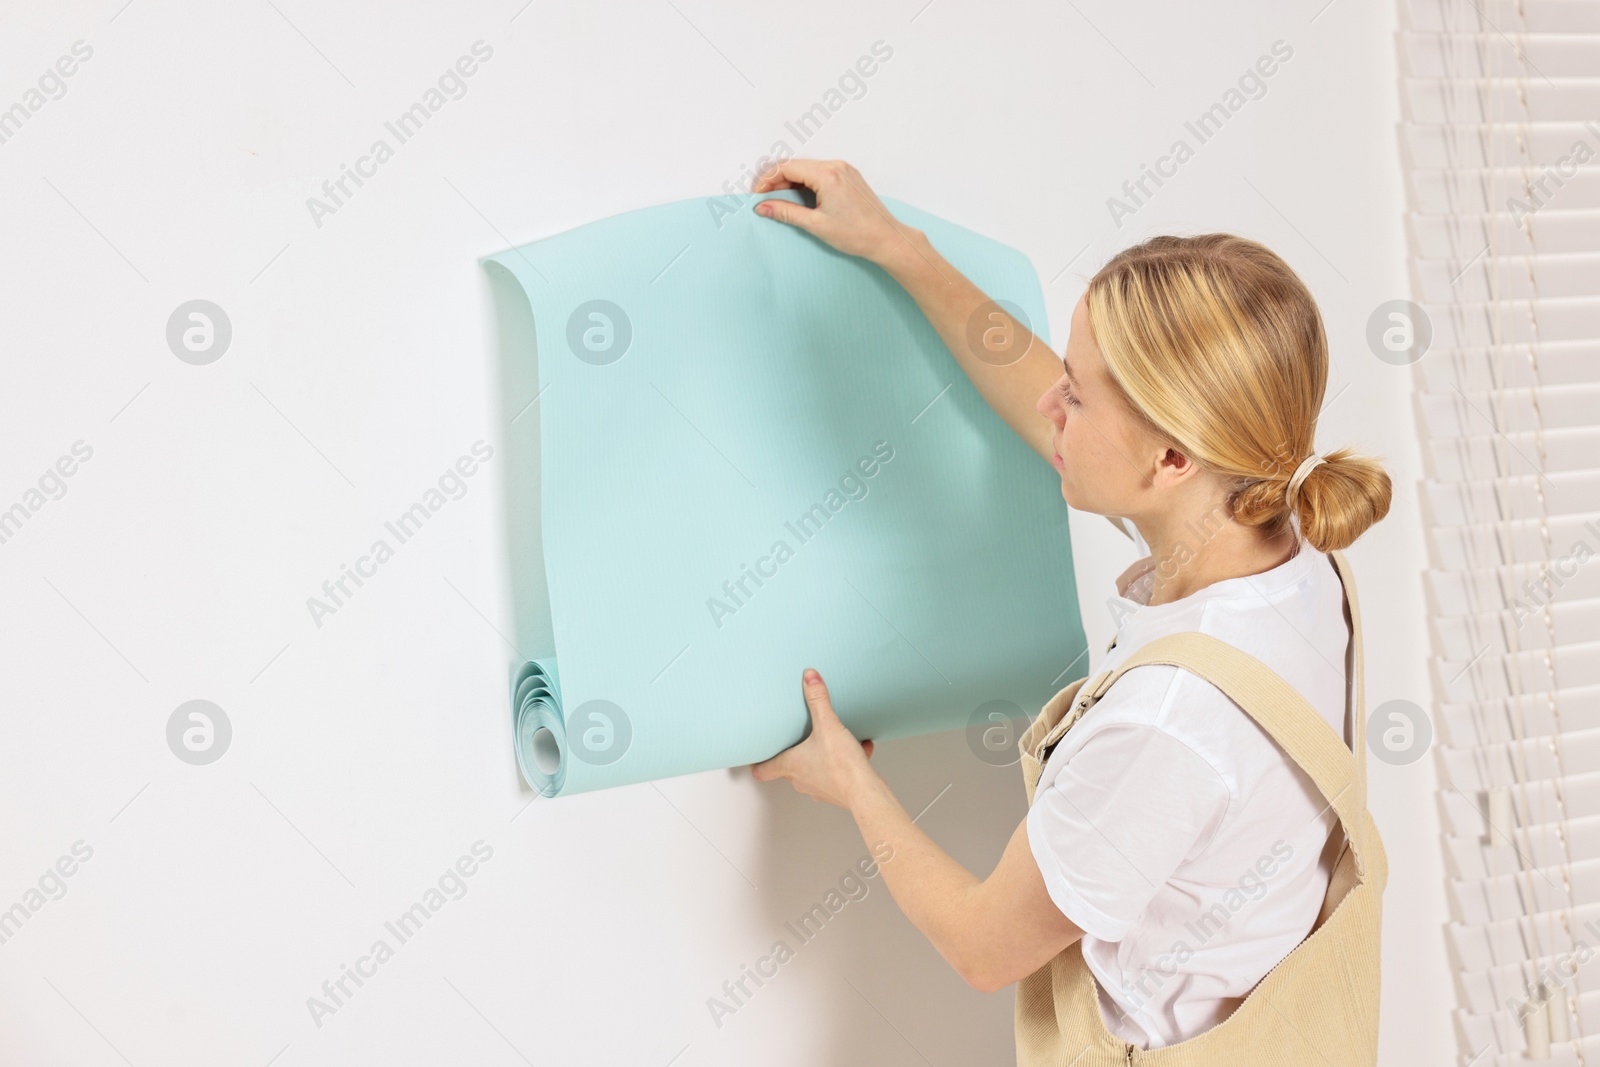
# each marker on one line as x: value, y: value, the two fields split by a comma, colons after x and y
x: 370, y: 753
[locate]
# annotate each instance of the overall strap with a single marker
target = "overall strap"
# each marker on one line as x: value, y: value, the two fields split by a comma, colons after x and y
x: 1355, y: 671
x: 1338, y: 772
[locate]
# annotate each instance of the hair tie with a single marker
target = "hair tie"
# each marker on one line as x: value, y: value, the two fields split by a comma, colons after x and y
x: 1297, y: 479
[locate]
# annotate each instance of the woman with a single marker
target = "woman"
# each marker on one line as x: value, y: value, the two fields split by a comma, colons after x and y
x: 1171, y: 841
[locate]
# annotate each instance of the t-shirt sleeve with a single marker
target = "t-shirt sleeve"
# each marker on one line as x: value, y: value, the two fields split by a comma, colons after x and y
x: 1130, y: 806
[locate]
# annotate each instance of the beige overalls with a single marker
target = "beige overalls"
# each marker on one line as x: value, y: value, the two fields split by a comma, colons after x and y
x: 1319, y: 1006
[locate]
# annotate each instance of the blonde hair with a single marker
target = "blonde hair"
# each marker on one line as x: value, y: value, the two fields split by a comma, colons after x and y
x: 1217, y: 344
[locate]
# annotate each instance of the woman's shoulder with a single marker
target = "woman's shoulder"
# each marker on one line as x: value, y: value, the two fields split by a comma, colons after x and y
x: 1185, y: 708
x: 1291, y: 619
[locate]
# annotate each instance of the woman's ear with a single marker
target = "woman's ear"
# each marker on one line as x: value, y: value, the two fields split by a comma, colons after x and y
x: 1173, y: 468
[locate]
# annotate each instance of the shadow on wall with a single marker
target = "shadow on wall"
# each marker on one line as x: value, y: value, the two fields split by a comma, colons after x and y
x: 871, y: 987
x: 532, y: 630
x: 877, y: 988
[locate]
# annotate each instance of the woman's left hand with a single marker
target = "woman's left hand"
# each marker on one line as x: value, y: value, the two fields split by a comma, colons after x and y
x: 830, y: 765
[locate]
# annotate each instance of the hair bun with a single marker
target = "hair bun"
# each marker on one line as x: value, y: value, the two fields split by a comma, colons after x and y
x: 1339, y: 498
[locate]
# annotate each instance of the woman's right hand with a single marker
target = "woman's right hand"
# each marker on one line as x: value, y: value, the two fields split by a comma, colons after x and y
x: 848, y: 216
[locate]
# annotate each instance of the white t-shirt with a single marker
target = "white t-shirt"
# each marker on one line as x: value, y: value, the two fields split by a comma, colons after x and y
x: 1172, y: 828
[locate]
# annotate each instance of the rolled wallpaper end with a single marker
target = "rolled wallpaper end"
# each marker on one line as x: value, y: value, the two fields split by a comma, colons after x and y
x: 540, y: 730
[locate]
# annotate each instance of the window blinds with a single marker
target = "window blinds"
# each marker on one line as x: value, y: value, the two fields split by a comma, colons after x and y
x: 1501, y: 145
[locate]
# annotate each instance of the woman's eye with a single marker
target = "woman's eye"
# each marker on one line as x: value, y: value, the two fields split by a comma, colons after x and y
x: 1066, y: 394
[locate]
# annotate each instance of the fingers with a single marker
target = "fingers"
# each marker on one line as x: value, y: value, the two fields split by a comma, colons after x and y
x: 823, y: 718
x: 804, y: 218
x: 816, y: 691
x: 781, y: 765
x: 770, y: 770
x: 814, y: 174
x: 788, y: 173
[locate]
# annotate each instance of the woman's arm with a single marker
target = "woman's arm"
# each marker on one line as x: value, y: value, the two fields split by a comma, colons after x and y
x: 993, y: 931
x: 851, y: 218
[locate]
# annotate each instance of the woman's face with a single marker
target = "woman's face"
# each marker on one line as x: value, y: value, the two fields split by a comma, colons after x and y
x: 1103, y: 452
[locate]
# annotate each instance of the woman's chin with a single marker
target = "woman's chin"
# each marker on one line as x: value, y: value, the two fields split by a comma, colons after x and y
x: 1078, y: 502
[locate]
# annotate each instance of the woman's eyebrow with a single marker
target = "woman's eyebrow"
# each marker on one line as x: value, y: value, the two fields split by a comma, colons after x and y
x: 1073, y: 378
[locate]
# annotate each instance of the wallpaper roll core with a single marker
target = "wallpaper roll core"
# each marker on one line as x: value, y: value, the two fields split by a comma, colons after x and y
x: 757, y: 456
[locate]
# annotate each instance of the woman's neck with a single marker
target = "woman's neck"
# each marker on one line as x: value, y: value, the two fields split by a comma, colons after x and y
x: 1191, y: 551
